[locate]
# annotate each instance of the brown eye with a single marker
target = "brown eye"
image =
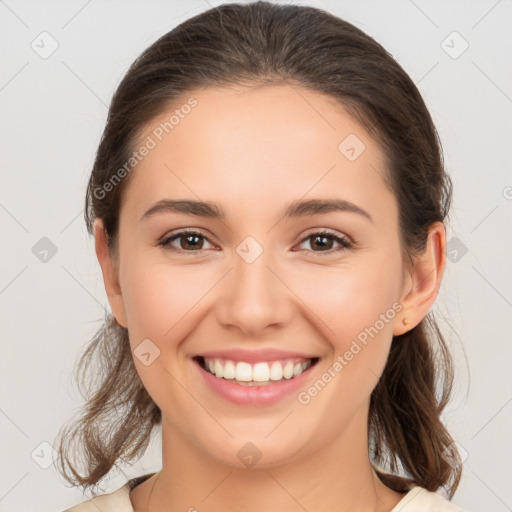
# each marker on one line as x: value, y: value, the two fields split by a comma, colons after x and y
x: 324, y: 241
x: 188, y: 241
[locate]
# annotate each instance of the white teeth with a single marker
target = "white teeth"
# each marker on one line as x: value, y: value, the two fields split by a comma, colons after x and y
x: 276, y: 371
x: 261, y: 372
x: 229, y: 370
x: 243, y: 372
x: 219, y: 369
x: 288, y: 370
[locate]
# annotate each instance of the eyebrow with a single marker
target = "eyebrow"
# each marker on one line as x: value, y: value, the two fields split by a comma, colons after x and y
x: 295, y: 209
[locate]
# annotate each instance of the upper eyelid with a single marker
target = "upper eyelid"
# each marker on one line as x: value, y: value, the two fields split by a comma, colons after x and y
x: 182, y: 232
x: 185, y: 231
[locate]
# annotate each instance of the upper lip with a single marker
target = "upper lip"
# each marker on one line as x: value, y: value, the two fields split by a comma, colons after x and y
x: 255, y: 356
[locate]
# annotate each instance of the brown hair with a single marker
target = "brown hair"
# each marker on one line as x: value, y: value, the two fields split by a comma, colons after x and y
x: 255, y: 44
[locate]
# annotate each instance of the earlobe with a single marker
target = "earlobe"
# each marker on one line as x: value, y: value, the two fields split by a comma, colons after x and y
x: 110, y: 273
x: 424, y: 281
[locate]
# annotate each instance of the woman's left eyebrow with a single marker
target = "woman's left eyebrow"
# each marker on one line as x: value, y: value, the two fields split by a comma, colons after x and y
x: 295, y: 209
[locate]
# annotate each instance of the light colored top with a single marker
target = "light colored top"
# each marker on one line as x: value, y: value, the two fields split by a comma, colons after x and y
x: 417, y: 499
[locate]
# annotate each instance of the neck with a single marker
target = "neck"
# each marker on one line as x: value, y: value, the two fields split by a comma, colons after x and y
x: 338, y: 476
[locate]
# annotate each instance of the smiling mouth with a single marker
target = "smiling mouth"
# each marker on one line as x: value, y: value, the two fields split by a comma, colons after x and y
x: 258, y: 374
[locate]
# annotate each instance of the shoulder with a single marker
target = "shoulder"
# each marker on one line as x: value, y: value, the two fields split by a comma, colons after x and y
x: 419, y: 499
x: 116, y: 501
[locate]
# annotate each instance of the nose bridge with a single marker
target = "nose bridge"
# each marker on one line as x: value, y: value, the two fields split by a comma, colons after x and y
x: 254, y: 296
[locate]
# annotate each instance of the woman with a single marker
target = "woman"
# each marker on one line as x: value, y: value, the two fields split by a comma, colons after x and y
x: 268, y: 203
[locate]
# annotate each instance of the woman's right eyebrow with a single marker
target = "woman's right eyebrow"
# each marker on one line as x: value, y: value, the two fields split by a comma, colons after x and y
x: 188, y: 206
x: 214, y: 211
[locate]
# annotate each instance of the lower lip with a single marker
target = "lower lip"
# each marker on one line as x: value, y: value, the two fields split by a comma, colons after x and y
x: 254, y: 395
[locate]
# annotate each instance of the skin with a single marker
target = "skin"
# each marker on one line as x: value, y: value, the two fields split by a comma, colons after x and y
x: 253, y: 151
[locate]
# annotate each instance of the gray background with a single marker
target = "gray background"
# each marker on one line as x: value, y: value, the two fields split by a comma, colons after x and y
x: 53, y: 111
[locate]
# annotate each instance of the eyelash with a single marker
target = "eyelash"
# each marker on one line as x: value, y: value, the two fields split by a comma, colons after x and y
x: 345, y: 243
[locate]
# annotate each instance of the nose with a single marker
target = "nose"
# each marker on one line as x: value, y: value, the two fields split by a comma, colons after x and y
x: 254, y: 297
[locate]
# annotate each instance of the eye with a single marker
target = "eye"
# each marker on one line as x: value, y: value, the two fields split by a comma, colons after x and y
x: 188, y: 240
x: 192, y: 241
x: 324, y: 240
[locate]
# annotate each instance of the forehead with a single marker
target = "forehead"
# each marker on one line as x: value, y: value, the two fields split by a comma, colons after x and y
x: 256, y: 145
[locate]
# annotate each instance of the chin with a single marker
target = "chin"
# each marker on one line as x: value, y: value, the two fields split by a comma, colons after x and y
x: 256, y: 451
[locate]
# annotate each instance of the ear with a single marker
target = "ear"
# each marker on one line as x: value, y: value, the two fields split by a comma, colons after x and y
x: 109, y: 269
x: 423, y: 280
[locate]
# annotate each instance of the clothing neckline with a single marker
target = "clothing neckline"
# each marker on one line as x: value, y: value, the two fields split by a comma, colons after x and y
x: 407, y: 497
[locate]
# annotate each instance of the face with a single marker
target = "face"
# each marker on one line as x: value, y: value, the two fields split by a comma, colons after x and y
x: 299, y: 303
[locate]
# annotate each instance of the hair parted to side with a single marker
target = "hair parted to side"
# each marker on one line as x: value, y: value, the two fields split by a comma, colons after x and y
x: 255, y: 44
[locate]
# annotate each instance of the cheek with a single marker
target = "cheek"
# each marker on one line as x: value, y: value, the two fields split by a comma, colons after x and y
x: 354, y: 309
x: 346, y: 300
x: 162, y: 300
x: 160, y: 297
